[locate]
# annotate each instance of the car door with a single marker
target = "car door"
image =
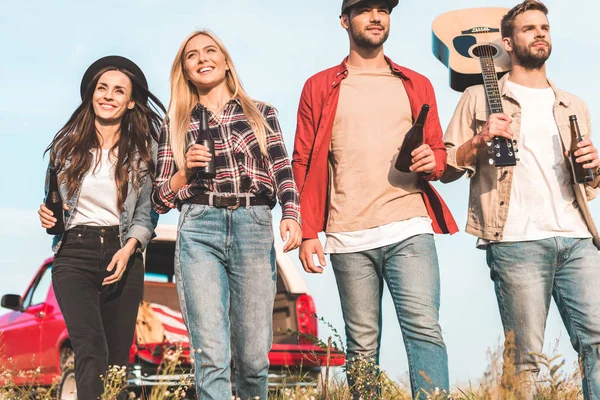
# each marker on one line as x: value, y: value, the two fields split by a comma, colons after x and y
x: 53, y: 329
x: 22, y: 332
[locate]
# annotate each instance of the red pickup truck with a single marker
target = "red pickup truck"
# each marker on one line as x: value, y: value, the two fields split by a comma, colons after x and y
x: 33, y: 336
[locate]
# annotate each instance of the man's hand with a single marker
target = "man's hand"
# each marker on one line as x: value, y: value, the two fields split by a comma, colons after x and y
x: 587, y: 154
x: 308, y: 248
x: 496, y: 125
x: 423, y: 159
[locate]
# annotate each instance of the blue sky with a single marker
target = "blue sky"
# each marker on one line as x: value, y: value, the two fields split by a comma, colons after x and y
x: 276, y: 46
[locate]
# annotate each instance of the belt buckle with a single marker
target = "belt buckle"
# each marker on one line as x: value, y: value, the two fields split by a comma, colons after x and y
x: 236, y: 205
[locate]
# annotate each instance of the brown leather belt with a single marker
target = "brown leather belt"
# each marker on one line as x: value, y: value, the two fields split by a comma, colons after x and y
x: 231, y: 202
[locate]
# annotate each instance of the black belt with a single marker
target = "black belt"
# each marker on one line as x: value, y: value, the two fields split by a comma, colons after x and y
x: 231, y: 202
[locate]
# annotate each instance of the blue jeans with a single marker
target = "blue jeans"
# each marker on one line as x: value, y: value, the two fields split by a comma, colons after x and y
x: 226, y: 281
x: 410, y: 269
x: 526, y: 275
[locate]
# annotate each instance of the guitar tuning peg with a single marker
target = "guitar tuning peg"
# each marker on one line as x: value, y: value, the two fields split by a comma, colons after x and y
x: 490, y: 161
x: 514, y: 142
x: 489, y: 144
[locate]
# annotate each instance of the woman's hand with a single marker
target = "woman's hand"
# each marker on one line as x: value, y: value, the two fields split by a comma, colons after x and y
x: 291, y: 233
x: 47, y: 217
x: 119, y: 262
x: 196, y: 156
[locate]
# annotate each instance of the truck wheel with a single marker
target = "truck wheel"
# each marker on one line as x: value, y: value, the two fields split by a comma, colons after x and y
x: 67, y: 358
x: 67, y: 390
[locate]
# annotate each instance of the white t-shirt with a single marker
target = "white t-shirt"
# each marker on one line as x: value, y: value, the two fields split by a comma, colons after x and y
x: 379, y: 236
x: 97, y: 203
x: 542, y: 202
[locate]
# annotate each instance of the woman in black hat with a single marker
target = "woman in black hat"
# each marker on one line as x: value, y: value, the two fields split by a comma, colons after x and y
x: 104, y: 157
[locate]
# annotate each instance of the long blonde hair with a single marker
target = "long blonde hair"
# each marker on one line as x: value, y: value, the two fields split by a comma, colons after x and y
x: 184, y: 98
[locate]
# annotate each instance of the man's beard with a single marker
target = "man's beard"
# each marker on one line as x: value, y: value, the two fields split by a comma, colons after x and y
x: 531, y: 58
x: 368, y: 42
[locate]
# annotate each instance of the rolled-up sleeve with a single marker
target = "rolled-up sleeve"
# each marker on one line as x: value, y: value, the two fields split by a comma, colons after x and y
x: 163, y: 198
x: 460, y: 129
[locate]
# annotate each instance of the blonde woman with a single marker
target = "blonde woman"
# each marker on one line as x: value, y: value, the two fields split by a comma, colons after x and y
x: 225, y: 259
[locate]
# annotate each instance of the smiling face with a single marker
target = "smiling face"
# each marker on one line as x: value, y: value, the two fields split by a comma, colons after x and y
x: 204, y: 63
x: 112, y: 96
x: 368, y: 24
x: 530, y: 43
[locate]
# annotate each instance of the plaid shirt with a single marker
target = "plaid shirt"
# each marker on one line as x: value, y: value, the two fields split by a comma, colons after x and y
x: 240, y: 166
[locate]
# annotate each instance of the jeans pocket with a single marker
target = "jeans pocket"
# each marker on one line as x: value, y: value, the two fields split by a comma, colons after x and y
x: 70, y: 239
x: 261, y: 215
x: 193, y: 211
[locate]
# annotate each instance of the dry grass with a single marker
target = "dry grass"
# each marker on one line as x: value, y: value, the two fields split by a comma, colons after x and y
x: 552, y: 383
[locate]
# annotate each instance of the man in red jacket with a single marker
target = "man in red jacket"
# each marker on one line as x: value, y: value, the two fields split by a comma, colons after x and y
x: 379, y: 222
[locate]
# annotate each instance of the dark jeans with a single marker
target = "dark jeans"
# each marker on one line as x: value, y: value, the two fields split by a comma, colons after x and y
x: 100, y: 320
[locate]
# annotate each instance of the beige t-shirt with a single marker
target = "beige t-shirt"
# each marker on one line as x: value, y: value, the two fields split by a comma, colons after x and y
x: 365, y: 190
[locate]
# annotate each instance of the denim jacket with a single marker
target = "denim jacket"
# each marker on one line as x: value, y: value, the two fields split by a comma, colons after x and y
x: 137, y: 220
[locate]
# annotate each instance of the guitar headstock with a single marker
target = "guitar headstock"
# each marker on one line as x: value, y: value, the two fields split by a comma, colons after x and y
x: 503, y: 152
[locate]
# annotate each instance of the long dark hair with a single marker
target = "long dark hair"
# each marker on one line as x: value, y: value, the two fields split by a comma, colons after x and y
x: 139, y: 128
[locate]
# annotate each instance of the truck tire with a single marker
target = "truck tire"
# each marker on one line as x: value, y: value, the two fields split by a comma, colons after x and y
x: 67, y: 358
x: 67, y: 389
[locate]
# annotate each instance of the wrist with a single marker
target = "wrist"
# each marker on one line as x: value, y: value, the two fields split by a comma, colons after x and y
x: 131, y: 246
x: 185, y: 173
x: 477, y: 143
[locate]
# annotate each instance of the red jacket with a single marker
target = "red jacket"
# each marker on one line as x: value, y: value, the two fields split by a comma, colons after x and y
x: 316, y: 113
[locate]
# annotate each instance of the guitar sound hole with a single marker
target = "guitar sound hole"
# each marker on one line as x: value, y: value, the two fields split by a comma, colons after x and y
x: 485, y: 50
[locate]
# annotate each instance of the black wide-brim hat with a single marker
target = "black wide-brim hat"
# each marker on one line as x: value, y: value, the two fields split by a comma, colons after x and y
x: 112, y: 61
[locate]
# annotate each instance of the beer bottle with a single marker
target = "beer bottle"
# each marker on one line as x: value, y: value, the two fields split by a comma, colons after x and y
x: 412, y: 140
x: 55, y: 204
x: 580, y: 174
x: 205, y: 138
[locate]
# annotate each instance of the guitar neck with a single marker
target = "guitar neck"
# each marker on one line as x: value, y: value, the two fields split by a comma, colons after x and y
x: 490, y: 82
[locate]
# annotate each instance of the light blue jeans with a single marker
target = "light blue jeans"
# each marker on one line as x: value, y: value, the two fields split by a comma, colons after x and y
x: 410, y: 269
x: 226, y: 280
x: 527, y: 275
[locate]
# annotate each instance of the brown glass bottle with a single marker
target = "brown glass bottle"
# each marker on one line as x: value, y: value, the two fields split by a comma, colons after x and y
x: 205, y: 138
x: 580, y: 174
x: 412, y: 140
x: 55, y: 204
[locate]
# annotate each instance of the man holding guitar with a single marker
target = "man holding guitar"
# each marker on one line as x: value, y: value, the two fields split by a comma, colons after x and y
x: 533, y: 221
x: 379, y: 222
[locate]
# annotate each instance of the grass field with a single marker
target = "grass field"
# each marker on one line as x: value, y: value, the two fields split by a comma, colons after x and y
x: 552, y: 384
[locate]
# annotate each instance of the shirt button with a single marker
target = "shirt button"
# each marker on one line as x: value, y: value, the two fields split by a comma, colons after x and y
x: 513, y: 115
x: 501, y: 203
x: 496, y: 234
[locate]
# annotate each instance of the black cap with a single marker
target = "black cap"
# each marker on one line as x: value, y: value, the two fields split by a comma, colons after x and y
x: 111, y: 61
x: 350, y: 3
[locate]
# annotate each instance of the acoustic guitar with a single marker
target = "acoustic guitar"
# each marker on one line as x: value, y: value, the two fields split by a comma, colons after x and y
x: 469, y: 43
